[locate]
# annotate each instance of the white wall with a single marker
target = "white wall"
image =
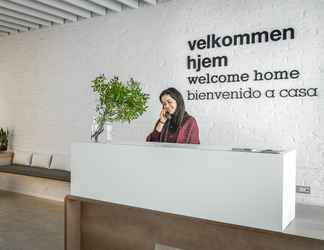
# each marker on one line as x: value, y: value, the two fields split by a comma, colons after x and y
x: 4, y: 104
x: 46, y: 74
x: 4, y: 117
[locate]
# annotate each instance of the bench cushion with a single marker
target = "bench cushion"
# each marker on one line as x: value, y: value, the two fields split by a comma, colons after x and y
x: 54, y: 174
x: 22, y: 157
x: 41, y: 160
x: 60, y: 161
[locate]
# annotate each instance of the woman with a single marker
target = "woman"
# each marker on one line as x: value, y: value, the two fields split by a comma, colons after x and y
x: 175, y: 124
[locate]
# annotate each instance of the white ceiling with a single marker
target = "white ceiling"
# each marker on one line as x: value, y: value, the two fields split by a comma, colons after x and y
x: 25, y: 15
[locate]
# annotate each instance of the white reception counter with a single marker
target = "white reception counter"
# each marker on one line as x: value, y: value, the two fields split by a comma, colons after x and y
x: 245, y: 188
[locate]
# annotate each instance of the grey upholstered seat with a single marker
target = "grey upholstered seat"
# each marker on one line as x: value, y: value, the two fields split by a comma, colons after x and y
x: 55, y: 174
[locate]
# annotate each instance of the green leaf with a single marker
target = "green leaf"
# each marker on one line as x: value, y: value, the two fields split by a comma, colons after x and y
x: 117, y: 101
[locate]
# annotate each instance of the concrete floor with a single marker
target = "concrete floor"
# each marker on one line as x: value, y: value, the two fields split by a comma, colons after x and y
x: 309, y: 222
x: 29, y: 223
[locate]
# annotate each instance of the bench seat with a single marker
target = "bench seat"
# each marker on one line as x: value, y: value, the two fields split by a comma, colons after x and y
x: 54, y: 174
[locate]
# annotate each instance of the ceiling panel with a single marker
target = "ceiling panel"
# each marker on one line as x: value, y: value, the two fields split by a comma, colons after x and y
x: 25, y: 15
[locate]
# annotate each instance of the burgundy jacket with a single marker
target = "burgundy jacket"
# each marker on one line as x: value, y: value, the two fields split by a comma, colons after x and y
x: 187, y: 133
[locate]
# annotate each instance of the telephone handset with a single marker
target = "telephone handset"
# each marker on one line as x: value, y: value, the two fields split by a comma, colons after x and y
x: 168, y: 116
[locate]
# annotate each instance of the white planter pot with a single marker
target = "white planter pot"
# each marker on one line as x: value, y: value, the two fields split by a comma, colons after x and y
x: 108, y: 129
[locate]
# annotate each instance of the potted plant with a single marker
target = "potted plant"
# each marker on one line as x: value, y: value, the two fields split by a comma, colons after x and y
x: 4, y: 135
x: 118, y: 102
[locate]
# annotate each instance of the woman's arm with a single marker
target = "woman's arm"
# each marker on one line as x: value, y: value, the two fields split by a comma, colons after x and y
x: 159, y: 126
x: 156, y: 134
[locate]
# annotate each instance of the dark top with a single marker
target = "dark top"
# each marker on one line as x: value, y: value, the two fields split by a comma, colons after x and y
x: 187, y: 133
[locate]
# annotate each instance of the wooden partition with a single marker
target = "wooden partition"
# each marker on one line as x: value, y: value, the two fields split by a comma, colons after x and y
x: 91, y: 224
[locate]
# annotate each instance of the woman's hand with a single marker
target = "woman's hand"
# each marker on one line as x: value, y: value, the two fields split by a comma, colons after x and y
x: 163, y: 116
x: 162, y: 121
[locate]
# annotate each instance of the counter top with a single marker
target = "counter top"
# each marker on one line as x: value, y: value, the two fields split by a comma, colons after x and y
x: 200, y: 147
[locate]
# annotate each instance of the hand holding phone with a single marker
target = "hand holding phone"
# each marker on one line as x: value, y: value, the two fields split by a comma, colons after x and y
x: 168, y: 115
x: 164, y: 115
x: 163, y: 118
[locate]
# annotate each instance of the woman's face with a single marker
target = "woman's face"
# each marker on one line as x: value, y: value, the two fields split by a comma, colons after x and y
x: 169, y: 104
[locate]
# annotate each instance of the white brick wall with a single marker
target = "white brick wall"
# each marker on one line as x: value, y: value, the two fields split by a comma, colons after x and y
x: 4, y: 108
x: 45, y: 77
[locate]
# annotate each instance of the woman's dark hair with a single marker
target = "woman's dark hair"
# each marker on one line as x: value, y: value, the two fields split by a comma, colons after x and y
x: 180, y: 111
